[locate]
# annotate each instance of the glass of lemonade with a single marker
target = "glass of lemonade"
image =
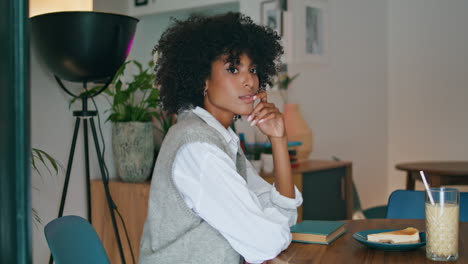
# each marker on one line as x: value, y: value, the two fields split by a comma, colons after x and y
x: 442, y: 223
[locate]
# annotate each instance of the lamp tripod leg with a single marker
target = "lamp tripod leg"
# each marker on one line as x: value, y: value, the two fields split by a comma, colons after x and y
x: 67, y: 175
x: 69, y: 166
x: 86, y: 149
x: 105, y: 182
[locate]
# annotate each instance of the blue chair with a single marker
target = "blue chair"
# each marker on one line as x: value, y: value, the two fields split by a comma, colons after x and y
x: 72, y: 240
x: 373, y: 212
x: 407, y: 204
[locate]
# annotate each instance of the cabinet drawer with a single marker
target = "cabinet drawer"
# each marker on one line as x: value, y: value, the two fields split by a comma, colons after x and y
x: 324, y: 194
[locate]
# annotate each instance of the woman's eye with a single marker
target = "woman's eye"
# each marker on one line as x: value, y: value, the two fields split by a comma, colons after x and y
x: 232, y: 70
x: 253, y: 70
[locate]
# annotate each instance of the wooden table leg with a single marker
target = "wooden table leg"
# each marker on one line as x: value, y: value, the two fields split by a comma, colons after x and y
x: 409, y: 181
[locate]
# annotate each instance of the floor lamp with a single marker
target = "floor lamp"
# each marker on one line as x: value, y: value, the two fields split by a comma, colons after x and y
x: 84, y: 47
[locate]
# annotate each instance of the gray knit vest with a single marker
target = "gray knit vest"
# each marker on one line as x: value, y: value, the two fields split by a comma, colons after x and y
x: 173, y: 233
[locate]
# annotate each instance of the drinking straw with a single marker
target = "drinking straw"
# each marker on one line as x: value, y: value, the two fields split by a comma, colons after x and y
x: 427, y: 187
x: 442, y: 197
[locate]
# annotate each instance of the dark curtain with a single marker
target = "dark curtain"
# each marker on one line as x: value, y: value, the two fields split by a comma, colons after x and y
x: 15, y: 149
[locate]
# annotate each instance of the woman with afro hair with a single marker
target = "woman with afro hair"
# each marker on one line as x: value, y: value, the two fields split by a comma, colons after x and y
x: 207, y: 203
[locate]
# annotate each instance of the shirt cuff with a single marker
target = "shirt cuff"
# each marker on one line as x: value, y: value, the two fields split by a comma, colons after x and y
x: 286, y: 202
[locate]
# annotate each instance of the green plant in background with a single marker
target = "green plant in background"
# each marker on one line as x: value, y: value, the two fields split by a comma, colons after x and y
x: 134, y: 100
x: 283, y: 82
x: 165, y: 121
x: 41, y: 157
x: 45, y: 159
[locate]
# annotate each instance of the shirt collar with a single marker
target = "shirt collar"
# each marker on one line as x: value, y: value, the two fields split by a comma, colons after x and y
x: 228, y: 134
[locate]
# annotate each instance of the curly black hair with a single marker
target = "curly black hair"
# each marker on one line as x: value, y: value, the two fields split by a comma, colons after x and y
x: 188, y: 47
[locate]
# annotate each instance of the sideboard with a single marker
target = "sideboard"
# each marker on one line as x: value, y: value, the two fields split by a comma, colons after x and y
x: 326, y: 187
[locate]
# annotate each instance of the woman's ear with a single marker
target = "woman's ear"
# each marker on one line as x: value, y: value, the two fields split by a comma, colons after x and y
x: 207, y: 85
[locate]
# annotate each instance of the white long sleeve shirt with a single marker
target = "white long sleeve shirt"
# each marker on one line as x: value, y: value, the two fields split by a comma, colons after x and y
x: 253, y: 216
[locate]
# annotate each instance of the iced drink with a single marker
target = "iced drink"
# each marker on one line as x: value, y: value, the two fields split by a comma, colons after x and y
x: 442, y: 223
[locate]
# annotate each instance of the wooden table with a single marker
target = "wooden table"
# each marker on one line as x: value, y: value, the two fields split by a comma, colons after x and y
x: 347, y: 250
x: 438, y: 173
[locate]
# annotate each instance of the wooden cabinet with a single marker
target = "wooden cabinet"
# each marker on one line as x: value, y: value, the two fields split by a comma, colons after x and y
x: 132, y: 200
x: 326, y: 187
x: 326, y: 194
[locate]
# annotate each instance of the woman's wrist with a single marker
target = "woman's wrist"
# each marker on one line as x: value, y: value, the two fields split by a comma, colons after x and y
x: 281, y: 139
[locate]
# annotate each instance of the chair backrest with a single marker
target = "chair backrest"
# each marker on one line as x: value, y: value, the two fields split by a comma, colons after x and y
x: 408, y: 204
x: 72, y: 240
x: 373, y: 212
x: 464, y: 206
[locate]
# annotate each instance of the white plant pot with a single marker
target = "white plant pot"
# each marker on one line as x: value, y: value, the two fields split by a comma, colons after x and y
x: 133, y: 149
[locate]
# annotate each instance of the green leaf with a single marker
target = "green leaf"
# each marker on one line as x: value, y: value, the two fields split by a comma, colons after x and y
x: 118, y: 87
x: 45, y: 159
x: 36, y: 217
x: 140, y: 67
x: 165, y: 122
x: 154, y: 95
x: 120, y: 71
x: 51, y: 160
x: 121, y: 98
x: 136, y: 102
x: 284, y: 81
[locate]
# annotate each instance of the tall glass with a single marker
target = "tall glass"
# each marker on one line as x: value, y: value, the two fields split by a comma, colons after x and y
x: 442, y: 223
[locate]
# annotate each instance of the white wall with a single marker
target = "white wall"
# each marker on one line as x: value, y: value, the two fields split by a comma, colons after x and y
x: 427, y: 83
x: 344, y: 101
x: 111, y: 6
x: 151, y: 27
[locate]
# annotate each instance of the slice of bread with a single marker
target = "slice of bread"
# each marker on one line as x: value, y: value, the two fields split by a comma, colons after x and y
x: 408, y: 235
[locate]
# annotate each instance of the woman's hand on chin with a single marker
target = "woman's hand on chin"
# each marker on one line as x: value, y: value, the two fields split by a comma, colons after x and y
x: 267, y: 117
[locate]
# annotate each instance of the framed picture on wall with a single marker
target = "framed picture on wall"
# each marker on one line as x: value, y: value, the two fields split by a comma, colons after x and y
x: 141, y: 2
x: 310, y: 31
x: 272, y: 16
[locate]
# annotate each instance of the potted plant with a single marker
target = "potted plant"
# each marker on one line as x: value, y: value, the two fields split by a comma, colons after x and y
x: 133, y: 104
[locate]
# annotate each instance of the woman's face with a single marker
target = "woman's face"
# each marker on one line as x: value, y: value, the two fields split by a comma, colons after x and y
x: 230, y: 88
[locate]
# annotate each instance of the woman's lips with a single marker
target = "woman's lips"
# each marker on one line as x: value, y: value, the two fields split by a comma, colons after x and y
x: 248, y: 99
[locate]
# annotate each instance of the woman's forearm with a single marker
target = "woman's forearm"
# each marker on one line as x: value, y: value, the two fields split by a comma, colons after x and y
x: 283, y: 175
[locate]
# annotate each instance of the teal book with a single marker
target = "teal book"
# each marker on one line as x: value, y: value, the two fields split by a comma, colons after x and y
x: 315, y: 231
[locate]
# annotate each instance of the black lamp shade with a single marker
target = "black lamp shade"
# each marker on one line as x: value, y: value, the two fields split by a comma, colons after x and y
x: 83, y: 46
